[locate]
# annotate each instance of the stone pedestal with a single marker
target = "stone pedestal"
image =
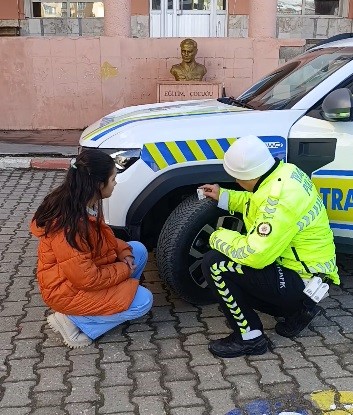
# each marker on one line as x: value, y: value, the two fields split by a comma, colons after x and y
x: 183, y: 91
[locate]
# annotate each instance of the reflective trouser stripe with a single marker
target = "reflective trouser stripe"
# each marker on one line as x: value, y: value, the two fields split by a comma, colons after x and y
x: 216, y: 271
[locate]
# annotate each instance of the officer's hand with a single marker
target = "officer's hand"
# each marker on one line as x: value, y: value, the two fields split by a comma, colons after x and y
x: 211, y: 191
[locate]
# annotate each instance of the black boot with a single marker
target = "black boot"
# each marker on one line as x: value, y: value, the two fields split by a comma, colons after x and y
x: 293, y: 325
x: 232, y: 346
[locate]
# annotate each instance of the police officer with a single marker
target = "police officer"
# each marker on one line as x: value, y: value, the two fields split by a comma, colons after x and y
x: 288, y: 241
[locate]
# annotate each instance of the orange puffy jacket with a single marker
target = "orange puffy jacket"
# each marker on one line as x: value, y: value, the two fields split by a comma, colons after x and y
x: 87, y: 283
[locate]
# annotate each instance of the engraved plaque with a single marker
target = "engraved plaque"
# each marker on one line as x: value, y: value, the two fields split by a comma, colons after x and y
x: 183, y: 91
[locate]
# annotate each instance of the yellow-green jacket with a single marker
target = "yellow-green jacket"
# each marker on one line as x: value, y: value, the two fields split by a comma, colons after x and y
x: 286, y: 222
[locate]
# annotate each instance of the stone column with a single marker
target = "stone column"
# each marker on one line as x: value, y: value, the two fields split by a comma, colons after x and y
x: 117, y: 18
x: 262, y: 18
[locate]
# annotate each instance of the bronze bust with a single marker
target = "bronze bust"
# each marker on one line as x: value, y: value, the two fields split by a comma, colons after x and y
x: 188, y: 69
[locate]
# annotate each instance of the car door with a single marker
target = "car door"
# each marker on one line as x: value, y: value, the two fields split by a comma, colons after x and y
x: 332, y: 141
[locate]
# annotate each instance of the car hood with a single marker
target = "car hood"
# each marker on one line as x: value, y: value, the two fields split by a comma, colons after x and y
x: 135, y: 127
x: 122, y: 122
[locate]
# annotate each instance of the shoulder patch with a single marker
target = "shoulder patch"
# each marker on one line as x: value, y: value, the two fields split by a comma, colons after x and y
x: 264, y: 229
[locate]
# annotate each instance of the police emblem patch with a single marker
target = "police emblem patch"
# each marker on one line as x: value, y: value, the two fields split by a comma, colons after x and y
x: 264, y: 229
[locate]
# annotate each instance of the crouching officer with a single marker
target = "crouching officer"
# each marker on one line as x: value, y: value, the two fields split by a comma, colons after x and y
x: 287, y: 243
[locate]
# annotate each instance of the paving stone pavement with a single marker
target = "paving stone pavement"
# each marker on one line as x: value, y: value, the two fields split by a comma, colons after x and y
x: 158, y: 364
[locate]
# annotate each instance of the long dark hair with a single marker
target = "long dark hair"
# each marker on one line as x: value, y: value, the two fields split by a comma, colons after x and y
x: 66, y: 207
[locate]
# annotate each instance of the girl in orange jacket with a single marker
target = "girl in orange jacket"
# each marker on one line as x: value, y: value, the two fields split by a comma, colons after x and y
x: 87, y: 276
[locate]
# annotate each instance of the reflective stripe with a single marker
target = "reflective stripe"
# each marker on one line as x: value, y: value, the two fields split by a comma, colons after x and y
x: 216, y: 148
x: 220, y: 285
x: 175, y: 150
x: 157, y: 157
x: 196, y: 150
x: 228, y: 298
x: 111, y: 126
x: 160, y: 155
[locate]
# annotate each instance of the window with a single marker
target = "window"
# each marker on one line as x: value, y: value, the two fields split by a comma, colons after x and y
x: 291, y: 82
x: 311, y: 7
x: 190, y: 4
x: 67, y: 8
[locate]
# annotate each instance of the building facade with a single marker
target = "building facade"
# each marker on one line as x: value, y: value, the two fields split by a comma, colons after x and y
x: 308, y: 19
x: 65, y: 66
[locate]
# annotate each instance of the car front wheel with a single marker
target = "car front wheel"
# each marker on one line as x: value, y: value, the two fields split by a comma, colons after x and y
x: 183, y: 241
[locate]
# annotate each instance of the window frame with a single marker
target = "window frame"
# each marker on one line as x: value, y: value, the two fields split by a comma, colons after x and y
x: 28, y: 8
x: 343, y: 9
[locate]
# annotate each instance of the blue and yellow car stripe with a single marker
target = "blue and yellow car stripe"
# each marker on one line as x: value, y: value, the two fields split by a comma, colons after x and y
x: 161, y: 155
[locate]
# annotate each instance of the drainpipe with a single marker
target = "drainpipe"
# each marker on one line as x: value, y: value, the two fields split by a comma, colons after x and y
x: 117, y: 18
x: 262, y: 18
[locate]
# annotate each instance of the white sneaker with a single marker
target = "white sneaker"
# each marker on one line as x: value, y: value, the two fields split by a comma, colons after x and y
x: 73, y: 337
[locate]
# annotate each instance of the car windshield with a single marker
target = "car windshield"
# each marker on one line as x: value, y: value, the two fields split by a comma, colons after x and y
x: 288, y: 84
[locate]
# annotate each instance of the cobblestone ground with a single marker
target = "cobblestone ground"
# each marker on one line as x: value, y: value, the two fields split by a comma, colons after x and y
x: 159, y: 364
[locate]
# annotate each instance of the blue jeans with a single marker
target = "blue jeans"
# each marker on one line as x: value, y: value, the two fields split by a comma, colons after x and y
x: 95, y: 326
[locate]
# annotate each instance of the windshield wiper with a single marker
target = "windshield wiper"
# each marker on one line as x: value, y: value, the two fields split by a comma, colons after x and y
x: 234, y: 101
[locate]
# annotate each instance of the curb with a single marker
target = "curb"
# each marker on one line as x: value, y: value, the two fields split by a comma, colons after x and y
x: 44, y: 163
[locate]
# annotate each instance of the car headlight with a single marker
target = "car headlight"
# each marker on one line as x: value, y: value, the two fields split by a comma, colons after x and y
x: 124, y: 158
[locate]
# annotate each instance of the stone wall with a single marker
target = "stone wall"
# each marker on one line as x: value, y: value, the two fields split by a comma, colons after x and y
x: 62, y: 27
x: 295, y: 27
x: 238, y: 26
x: 312, y: 27
x: 79, y: 27
x: 288, y: 27
x: 140, y: 26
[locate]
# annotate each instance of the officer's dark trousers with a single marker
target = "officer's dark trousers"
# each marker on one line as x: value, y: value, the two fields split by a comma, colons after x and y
x: 240, y: 290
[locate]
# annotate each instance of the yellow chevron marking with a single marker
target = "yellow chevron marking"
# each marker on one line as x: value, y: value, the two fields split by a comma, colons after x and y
x: 239, y: 270
x: 238, y: 313
x: 231, y: 140
x: 157, y: 156
x: 216, y: 148
x: 216, y: 277
x: 176, y: 152
x: 196, y: 150
x: 220, y: 285
x: 229, y: 299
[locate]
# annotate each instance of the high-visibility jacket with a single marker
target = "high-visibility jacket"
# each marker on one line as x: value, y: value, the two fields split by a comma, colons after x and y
x: 286, y: 222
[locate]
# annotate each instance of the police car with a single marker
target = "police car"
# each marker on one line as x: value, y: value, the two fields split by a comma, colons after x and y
x: 302, y: 111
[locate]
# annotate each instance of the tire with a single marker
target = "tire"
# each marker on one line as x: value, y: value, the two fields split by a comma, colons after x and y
x: 182, y: 243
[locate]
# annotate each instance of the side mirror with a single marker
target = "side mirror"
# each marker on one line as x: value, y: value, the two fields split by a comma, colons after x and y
x: 337, y: 105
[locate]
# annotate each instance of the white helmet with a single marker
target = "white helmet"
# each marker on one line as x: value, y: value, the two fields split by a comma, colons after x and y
x: 248, y: 158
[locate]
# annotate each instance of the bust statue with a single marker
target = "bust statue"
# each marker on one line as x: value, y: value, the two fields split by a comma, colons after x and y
x: 188, y: 69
